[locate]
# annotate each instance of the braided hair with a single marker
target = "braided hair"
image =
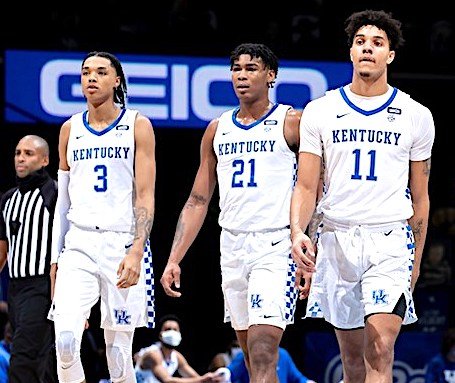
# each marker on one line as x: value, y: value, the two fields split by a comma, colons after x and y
x: 120, y: 92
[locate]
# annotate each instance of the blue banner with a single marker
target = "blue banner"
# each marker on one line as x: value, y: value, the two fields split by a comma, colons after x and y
x: 173, y: 91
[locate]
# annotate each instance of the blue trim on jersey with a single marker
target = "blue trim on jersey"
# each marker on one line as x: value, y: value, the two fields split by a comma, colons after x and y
x: 368, y: 112
x: 104, y: 131
x: 246, y: 127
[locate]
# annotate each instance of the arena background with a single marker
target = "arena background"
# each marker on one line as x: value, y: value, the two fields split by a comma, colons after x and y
x: 424, y: 68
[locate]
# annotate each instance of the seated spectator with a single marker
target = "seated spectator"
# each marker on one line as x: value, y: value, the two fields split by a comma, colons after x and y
x: 435, y: 269
x: 223, y: 359
x: 286, y: 369
x: 160, y: 361
x: 441, y: 368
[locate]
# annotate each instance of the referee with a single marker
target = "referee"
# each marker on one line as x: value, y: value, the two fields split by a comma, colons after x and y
x: 25, y: 241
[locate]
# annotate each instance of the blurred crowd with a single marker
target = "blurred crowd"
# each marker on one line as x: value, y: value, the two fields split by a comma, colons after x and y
x: 307, y: 30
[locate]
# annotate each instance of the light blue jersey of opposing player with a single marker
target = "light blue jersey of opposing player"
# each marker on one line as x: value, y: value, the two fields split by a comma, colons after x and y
x: 368, y: 143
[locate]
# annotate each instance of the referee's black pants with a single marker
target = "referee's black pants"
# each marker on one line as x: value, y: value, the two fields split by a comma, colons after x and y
x: 32, y: 350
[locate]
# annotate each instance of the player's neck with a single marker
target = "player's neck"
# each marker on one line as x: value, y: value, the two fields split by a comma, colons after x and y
x: 102, y: 115
x: 369, y: 87
x: 253, y: 111
x: 369, y: 84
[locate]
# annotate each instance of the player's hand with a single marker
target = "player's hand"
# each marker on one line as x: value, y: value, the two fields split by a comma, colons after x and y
x: 130, y: 269
x: 303, y: 253
x: 304, y: 290
x: 171, y: 276
x: 213, y: 377
x: 53, y: 276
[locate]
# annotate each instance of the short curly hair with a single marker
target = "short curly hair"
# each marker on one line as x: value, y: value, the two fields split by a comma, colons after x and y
x: 380, y: 19
x: 167, y: 317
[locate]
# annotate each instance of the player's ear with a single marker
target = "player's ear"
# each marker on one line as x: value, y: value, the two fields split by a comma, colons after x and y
x: 391, y: 57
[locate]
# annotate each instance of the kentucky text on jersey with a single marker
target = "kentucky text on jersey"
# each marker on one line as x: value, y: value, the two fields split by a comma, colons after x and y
x: 246, y: 147
x: 103, y: 152
x: 362, y: 135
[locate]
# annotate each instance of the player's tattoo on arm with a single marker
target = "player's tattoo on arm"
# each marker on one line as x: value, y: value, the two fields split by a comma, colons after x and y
x: 144, y: 223
x: 178, y: 232
x: 427, y: 167
x: 193, y: 201
x: 417, y: 230
x: 313, y: 225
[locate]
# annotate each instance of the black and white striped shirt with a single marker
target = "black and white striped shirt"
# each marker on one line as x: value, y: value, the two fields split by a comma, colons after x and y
x: 26, y: 224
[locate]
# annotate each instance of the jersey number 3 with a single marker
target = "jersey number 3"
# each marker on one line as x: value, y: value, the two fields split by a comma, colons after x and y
x: 101, y: 170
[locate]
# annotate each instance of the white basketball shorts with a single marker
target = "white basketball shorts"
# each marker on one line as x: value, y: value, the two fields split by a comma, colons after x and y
x: 361, y: 270
x: 87, y: 271
x: 258, y: 276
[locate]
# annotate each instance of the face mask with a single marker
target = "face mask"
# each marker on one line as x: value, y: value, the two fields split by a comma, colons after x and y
x: 171, y: 337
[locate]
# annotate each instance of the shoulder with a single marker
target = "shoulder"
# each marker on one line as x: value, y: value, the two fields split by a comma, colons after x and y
x: 8, y: 193
x: 142, y: 119
x: 179, y: 357
x: 65, y: 131
x: 152, y: 352
x: 293, y: 115
x: 49, y: 192
x: 143, y: 130
x: 6, y: 196
x: 211, y: 129
x: 415, y: 105
x: 66, y: 126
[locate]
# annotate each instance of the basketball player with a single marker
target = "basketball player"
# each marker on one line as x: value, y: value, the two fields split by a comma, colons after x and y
x: 104, y: 214
x: 375, y: 142
x: 251, y: 151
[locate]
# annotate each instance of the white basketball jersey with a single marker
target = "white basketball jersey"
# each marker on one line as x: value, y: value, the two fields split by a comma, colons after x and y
x: 366, y: 144
x: 256, y: 171
x: 146, y: 376
x: 101, y: 186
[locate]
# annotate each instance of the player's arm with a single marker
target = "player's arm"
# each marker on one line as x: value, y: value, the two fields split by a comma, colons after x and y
x: 185, y: 370
x: 291, y: 129
x: 144, y: 201
x: 303, y: 203
x: 153, y: 361
x: 194, y: 211
x: 60, y: 224
x: 418, y: 184
x: 189, y: 374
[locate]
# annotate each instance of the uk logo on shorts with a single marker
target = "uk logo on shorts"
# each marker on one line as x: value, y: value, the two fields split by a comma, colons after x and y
x: 122, y: 316
x: 256, y: 301
x: 380, y: 297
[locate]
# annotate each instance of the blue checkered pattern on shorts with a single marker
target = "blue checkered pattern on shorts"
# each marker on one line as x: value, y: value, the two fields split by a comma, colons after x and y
x: 150, y: 285
x: 411, y: 247
x: 291, y: 291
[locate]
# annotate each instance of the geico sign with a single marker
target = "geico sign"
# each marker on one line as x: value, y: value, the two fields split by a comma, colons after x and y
x: 171, y: 90
x: 178, y: 93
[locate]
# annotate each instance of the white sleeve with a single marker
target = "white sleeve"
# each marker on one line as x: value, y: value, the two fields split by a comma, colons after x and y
x: 423, y: 134
x: 60, y: 224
